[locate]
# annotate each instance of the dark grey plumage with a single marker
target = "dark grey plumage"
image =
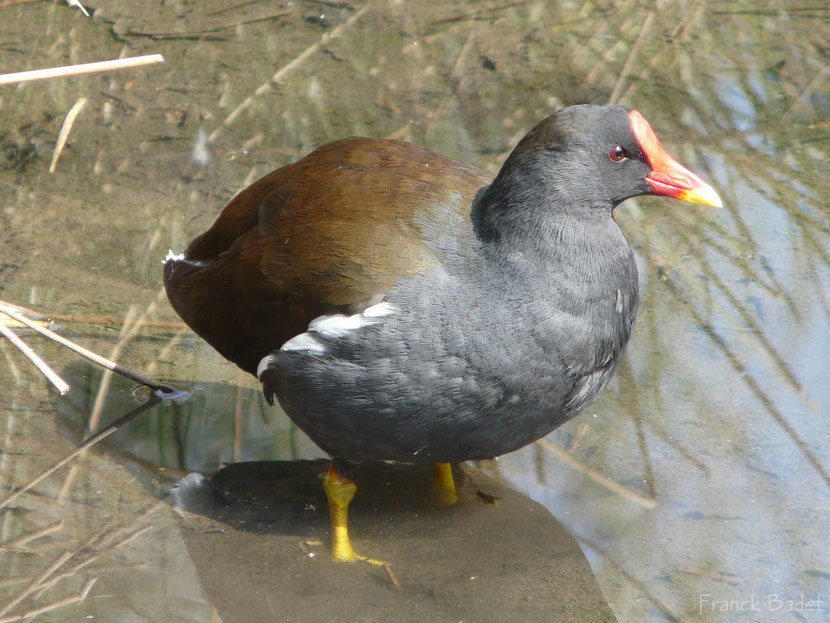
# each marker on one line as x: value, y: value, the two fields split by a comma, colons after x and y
x: 516, y: 329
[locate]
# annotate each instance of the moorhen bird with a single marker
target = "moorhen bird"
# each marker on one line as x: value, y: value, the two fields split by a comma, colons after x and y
x: 402, y: 306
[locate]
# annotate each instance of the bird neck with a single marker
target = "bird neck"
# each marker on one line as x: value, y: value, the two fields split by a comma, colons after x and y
x: 538, y: 218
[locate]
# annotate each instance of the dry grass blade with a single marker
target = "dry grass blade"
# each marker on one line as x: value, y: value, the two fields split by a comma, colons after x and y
x: 45, y: 319
x: 67, y: 601
x: 611, y: 485
x: 83, y: 352
x: 193, y: 34
x: 102, y: 542
x: 758, y: 332
x: 670, y: 614
x: 712, y: 575
x: 66, y: 128
x: 9, y: 3
x: 658, y: 429
x: 53, y: 377
x: 680, y: 34
x: 36, y: 582
x: 805, y: 92
x: 237, y: 417
x: 296, y: 62
x: 10, y: 322
x: 635, y: 411
x: 392, y: 577
x: 615, y: 94
x: 115, y: 321
x: 106, y: 377
x: 109, y: 539
x: 103, y: 548
x: 77, y: 70
x: 22, y: 541
x: 232, y: 7
x: 763, y: 397
x: 10, y: 363
x: 91, y: 441
x: 78, y: 4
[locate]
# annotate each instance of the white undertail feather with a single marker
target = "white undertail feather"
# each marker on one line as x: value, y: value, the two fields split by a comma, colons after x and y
x: 181, y: 257
x: 305, y: 342
x: 264, y: 363
x: 176, y: 257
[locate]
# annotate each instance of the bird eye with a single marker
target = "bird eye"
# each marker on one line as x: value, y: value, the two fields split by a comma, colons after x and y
x: 618, y: 153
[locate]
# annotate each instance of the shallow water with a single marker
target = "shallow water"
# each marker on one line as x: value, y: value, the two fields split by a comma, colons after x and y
x: 697, y: 485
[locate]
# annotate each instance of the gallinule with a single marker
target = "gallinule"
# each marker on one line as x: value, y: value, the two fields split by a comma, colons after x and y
x: 400, y: 305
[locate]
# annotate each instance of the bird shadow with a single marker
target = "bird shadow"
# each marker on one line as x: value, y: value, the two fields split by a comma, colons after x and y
x: 265, y: 523
x: 495, y: 554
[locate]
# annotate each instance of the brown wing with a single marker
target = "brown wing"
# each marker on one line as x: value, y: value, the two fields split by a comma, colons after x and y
x: 329, y: 233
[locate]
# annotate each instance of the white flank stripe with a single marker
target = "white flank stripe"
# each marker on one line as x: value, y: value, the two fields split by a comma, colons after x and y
x: 380, y: 310
x: 330, y: 327
x: 304, y: 342
x: 338, y: 325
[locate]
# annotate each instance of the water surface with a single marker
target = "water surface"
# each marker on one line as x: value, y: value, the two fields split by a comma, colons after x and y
x: 697, y: 485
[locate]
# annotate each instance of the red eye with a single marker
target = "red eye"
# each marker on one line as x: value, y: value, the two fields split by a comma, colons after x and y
x: 617, y: 154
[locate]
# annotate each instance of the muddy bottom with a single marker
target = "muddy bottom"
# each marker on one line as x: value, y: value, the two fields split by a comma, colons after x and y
x: 258, y: 534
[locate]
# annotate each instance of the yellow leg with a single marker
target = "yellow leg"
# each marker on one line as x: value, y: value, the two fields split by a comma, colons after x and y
x: 340, y: 490
x: 443, y: 484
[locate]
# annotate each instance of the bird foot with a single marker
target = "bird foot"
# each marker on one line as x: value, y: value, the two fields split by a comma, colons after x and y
x: 340, y: 490
x: 443, y: 484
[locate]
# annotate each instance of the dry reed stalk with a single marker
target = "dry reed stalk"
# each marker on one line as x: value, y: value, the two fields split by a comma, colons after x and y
x: 53, y: 377
x: 66, y: 128
x: 9, y: 310
x: 293, y: 64
x: 605, y: 481
x: 88, y: 443
x: 78, y: 70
